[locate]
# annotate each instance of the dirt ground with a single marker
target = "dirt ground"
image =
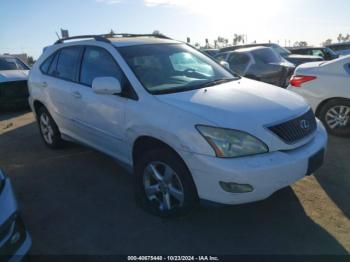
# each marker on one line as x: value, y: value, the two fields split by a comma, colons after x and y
x: 79, y: 201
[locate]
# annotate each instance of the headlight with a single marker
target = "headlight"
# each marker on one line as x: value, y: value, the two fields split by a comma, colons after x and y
x: 229, y: 143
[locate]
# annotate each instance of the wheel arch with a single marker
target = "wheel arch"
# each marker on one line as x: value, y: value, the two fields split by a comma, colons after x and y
x: 320, y: 105
x: 145, y: 142
x: 37, y: 105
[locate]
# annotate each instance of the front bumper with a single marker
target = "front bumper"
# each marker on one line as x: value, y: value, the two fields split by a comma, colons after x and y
x: 14, y: 239
x: 267, y: 173
x: 13, y: 94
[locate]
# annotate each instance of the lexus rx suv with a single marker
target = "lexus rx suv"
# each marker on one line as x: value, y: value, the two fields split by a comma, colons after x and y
x: 187, y: 128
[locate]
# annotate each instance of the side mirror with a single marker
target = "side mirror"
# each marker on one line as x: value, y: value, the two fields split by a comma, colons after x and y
x: 225, y: 64
x: 106, y: 86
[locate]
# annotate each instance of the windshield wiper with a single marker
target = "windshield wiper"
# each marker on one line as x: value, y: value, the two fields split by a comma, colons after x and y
x: 218, y: 82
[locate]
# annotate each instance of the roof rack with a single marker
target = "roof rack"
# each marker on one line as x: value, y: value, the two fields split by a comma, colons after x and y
x: 96, y: 37
x: 104, y: 37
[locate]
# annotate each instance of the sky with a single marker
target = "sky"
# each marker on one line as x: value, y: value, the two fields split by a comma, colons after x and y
x: 30, y: 25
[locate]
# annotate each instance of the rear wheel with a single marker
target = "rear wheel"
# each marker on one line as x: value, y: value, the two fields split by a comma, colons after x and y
x: 335, y: 115
x: 164, y: 184
x: 48, y: 129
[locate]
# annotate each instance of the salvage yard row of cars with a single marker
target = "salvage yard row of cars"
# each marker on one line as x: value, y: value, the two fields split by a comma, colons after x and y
x: 231, y: 139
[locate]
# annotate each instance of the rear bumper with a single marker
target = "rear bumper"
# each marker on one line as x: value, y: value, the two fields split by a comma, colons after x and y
x: 266, y: 173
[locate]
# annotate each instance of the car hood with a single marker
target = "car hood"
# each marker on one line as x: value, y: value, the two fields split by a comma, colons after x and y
x: 243, y: 104
x: 13, y: 75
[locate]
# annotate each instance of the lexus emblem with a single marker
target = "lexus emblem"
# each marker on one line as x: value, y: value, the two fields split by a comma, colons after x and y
x: 304, y: 124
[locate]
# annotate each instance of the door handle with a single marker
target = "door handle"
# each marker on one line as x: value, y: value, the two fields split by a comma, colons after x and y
x: 76, y: 94
x: 44, y: 84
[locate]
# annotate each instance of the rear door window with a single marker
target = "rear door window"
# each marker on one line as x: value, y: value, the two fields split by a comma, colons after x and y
x: 68, y: 63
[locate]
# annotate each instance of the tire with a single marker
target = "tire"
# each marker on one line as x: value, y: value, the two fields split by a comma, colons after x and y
x: 168, y: 201
x: 48, y: 129
x: 335, y: 115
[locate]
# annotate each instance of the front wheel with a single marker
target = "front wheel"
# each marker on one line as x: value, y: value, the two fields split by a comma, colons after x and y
x: 164, y: 184
x: 335, y: 115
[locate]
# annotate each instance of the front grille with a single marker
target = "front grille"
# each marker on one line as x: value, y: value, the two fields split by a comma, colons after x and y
x: 296, y: 129
x: 13, y: 95
x: 14, y: 89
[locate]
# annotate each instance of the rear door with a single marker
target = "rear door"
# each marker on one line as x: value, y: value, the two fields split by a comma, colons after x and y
x: 60, y: 75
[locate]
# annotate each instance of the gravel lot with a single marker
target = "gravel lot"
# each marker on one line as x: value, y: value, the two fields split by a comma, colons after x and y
x: 79, y: 201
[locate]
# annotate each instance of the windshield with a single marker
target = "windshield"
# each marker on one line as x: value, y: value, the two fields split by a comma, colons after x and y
x: 279, y: 49
x: 169, y: 68
x: 12, y: 63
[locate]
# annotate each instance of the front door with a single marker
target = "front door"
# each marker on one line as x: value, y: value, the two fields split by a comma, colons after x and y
x: 99, y: 118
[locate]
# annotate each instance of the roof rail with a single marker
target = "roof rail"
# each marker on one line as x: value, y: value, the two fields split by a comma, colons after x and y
x: 104, y: 37
x: 96, y: 37
x: 135, y: 35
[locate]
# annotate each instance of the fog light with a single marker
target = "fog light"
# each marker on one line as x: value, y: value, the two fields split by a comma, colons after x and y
x: 15, y: 237
x: 236, y: 188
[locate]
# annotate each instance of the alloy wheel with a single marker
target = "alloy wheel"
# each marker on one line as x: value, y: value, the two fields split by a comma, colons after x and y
x: 163, y: 186
x: 46, y: 128
x: 338, y: 116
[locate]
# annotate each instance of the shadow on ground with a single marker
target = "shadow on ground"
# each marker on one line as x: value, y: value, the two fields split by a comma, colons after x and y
x: 78, y: 201
x: 334, y: 177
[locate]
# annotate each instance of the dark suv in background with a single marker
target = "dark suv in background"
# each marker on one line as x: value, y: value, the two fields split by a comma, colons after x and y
x: 285, y: 53
x: 324, y: 52
x: 259, y: 63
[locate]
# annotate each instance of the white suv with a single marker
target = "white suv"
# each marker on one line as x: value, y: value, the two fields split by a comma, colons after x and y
x: 186, y: 126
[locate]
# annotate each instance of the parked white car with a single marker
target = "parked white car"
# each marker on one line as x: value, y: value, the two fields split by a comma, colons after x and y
x: 13, y: 83
x: 326, y: 86
x: 187, y: 133
x: 15, y: 241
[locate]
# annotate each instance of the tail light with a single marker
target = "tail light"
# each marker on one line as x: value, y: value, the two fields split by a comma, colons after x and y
x: 297, y: 81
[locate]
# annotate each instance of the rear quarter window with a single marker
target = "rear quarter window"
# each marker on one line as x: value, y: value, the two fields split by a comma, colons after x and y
x: 46, y: 64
